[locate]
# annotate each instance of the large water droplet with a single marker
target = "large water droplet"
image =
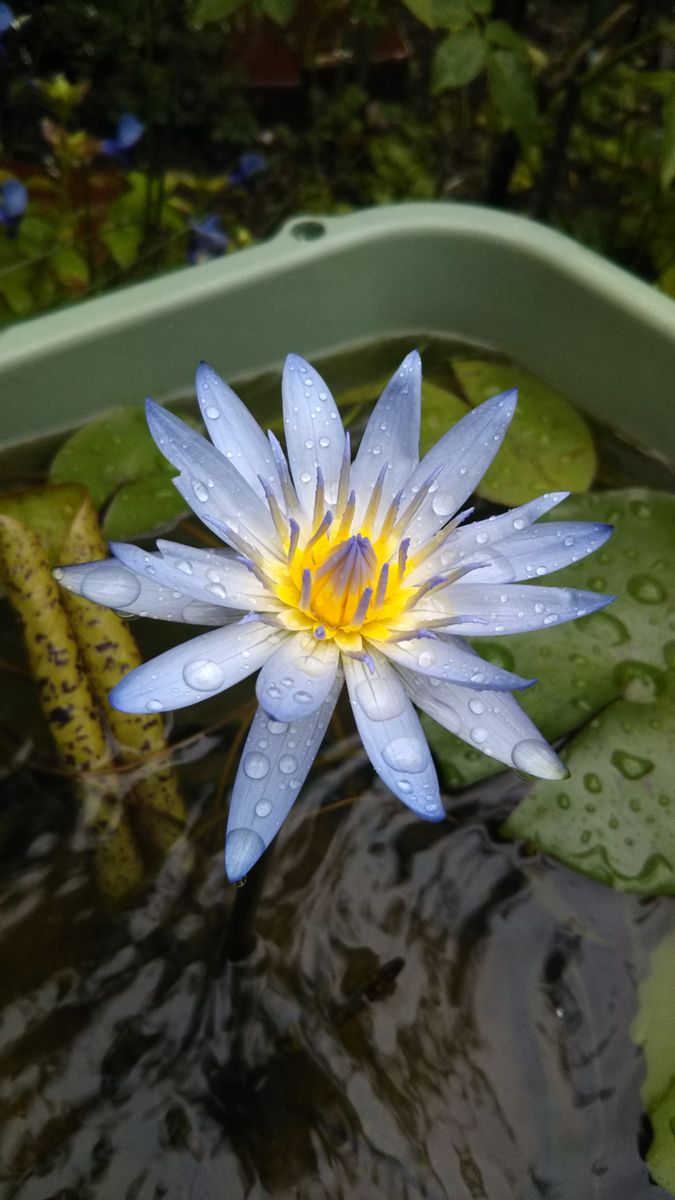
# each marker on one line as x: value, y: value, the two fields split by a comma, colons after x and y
x: 379, y: 699
x: 443, y: 504
x: 476, y: 707
x: 114, y: 586
x: 631, y: 766
x: 212, y: 412
x: 288, y: 764
x: 263, y: 808
x: 203, y: 675
x: 646, y: 589
x: 538, y: 759
x: 256, y: 765
x: 406, y: 754
x: 154, y: 705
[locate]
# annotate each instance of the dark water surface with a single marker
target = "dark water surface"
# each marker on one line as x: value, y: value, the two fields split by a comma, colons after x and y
x: 427, y: 1011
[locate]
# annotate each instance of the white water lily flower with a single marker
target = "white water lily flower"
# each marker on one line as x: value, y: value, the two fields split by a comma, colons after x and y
x: 343, y: 570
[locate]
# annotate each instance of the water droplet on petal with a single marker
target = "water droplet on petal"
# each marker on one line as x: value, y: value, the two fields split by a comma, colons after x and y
x: 406, y: 754
x: 379, y: 699
x: 324, y: 442
x: 200, y: 491
x: 288, y: 764
x: 154, y: 706
x: 114, y: 586
x: 476, y: 707
x: 212, y: 412
x: 203, y: 675
x: 256, y: 765
x: 263, y: 808
x: 535, y: 757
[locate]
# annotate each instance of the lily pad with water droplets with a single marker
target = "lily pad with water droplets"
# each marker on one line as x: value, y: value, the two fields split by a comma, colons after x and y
x: 127, y: 477
x: 614, y: 817
x: 624, y: 653
x: 548, y: 447
x: 653, y: 1031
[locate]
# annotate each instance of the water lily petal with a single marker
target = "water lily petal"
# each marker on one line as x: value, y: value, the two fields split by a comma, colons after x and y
x: 461, y: 457
x: 449, y: 658
x: 314, y: 434
x: 211, y: 576
x: 197, y: 669
x: 391, y: 436
x: 516, y: 608
x: 107, y: 582
x: 392, y: 735
x: 269, y: 779
x: 213, y: 488
x: 538, y: 551
x: 492, y: 722
x: 465, y: 542
x: 234, y: 431
x: 298, y: 677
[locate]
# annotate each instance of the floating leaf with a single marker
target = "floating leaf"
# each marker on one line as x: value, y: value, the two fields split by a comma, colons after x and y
x: 613, y: 818
x: 442, y: 14
x: 78, y: 651
x: 108, y: 652
x: 653, y: 1031
x: 548, y: 446
x: 627, y: 650
x: 117, y: 460
x: 67, y: 700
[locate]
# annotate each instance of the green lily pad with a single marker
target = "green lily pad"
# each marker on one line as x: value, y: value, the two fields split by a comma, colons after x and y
x: 653, y: 1031
x: 548, y: 447
x: 441, y: 409
x: 116, y: 459
x: 613, y: 818
x: 626, y: 650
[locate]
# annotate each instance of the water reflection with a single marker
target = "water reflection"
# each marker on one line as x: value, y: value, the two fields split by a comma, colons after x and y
x: 427, y: 1013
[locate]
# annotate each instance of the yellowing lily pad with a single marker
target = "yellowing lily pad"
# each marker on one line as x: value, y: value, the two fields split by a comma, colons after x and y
x: 115, y: 457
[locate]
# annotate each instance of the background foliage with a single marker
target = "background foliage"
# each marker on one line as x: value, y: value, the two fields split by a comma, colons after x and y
x: 254, y: 110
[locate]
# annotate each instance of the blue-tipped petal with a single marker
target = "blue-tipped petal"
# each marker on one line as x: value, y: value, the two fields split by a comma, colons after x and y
x: 195, y: 670
x: 314, y: 434
x: 489, y: 721
x: 243, y: 848
x: 461, y: 457
x: 273, y: 767
x: 391, y: 436
x: 210, y: 484
x: 451, y: 659
x: 518, y: 608
x: 234, y: 432
x: 537, y: 551
x: 6, y: 18
x: 392, y: 735
x: 108, y: 582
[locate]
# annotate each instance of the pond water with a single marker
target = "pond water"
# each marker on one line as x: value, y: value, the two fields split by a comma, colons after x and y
x: 424, y: 1011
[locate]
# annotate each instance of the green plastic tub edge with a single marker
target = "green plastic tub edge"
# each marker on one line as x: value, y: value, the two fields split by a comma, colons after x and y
x: 600, y: 335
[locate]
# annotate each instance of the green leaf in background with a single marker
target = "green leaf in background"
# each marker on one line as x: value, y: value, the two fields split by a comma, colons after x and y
x: 652, y: 1030
x: 442, y: 14
x: 504, y: 36
x: 548, y: 447
x: 441, y: 409
x: 123, y: 242
x: 280, y: 11
x: 514, y: 94
x: 458, y: 60
x: 627, y: 650
x: 214, y: 10
x: 117, y: 460
x: 70, y: 268
x: 668, y: 151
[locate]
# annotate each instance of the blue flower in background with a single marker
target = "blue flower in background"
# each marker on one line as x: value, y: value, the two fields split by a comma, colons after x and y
x: 13, y: 203
x: 207, y: 239
x: 129, y: 130
x: 6, y: 18
x: 251, y: 163
x: 364, y: 572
